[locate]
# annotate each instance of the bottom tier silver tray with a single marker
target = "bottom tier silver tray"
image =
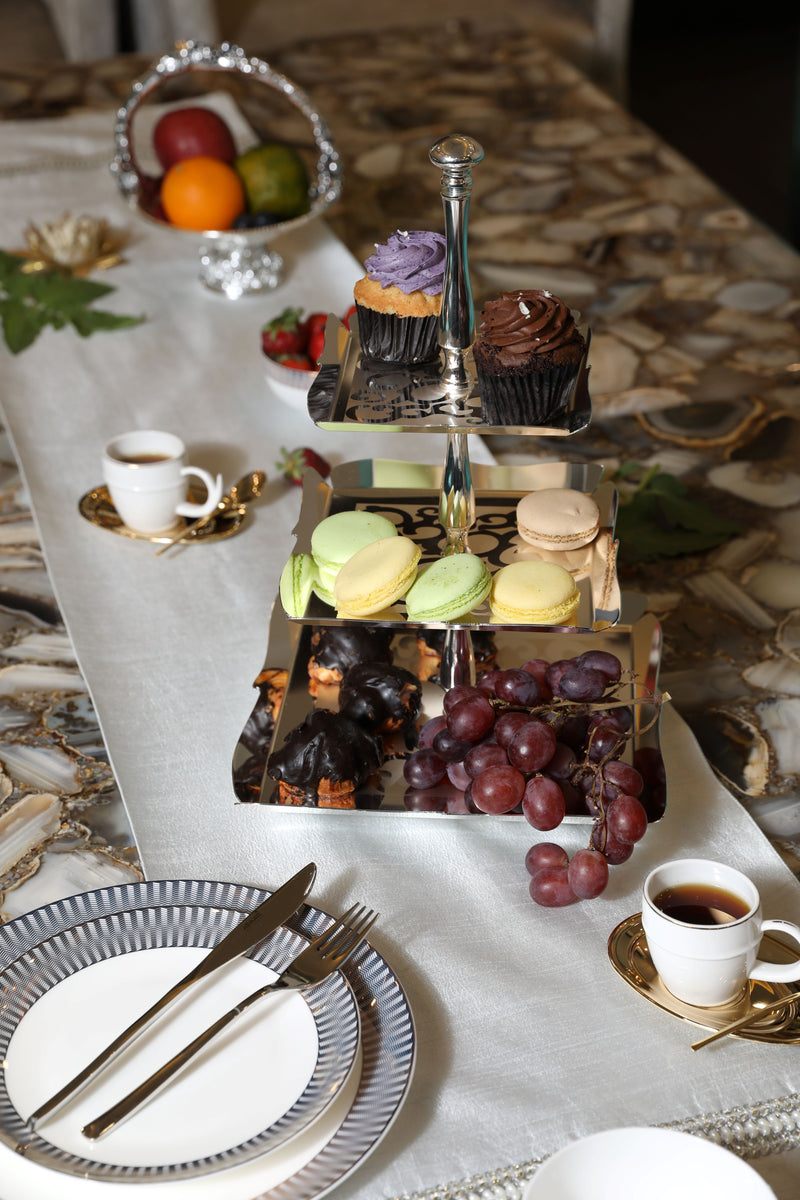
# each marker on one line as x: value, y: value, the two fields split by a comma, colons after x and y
x: 284, y: 701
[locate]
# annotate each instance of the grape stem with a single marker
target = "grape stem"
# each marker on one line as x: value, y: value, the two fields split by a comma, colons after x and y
x: 564, y: 707
x: 583, y: 707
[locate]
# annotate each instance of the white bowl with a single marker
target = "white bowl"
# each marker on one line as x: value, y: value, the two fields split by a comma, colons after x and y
x: 659, y: 1164
x: 290, y: 384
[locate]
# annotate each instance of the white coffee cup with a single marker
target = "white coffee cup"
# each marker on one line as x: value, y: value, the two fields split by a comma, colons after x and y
x: 146, y: 474
x: 706, y: 964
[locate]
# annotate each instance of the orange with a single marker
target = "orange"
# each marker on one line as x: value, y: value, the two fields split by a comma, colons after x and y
x: 202, y: 193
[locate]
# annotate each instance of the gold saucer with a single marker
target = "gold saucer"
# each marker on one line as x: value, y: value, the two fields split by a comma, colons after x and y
x: 97, y: 508
x: 627, y: 949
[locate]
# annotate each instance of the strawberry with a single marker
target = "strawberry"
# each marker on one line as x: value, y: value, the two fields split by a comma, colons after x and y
x: 314, y: 325
x: 315, y: 321
x: 295, y: 465
x: 284, y: 334
x: 316, y: 344
x: 298, y: 362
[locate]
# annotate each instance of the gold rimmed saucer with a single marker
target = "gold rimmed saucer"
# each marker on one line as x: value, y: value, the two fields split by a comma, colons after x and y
x: 627, y: 949
x: 97, y: 508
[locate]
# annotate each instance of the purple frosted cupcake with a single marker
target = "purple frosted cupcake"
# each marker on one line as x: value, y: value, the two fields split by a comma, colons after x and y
x: 399, y: 299
x: 528, y: 356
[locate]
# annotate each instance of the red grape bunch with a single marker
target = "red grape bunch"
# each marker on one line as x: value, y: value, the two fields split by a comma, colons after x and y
x: 545, y: 739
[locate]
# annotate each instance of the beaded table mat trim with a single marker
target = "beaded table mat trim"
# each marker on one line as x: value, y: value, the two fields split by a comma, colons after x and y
x: 751, y: 1131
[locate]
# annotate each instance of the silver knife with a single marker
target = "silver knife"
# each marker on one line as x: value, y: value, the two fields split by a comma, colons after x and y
x: 257, y: 925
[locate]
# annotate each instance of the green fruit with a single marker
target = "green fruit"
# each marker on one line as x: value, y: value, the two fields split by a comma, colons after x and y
x: 275, y: 180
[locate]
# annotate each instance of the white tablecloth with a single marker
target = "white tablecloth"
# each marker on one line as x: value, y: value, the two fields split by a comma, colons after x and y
x: 526, y: 1036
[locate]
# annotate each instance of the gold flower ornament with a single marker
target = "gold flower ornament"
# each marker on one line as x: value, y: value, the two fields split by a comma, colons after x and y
x: 72, y: 245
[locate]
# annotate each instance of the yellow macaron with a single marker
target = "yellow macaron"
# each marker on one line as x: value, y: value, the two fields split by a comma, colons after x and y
x: 534, y: 593
x: 376, y: 576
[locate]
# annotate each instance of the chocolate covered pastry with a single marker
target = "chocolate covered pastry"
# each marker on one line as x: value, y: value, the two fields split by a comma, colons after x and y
x: 271, y: 683
x: 324, y: 761
x: 337, y: 647
x: 381, y: 698
x: 257, y: 733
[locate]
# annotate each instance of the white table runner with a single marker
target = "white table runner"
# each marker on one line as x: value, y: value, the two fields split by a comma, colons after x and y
x: 527, y: 1038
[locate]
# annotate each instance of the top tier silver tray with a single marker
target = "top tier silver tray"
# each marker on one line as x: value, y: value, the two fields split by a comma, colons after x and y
x: 352, y: 392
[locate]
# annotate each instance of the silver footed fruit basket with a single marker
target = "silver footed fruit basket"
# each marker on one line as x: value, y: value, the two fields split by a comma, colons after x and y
x: 234, y: 262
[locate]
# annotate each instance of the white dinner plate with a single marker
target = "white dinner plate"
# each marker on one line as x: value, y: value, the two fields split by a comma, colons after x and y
x: 263, y: 1080
x: 660, y: 1164
x: 330, y: 1147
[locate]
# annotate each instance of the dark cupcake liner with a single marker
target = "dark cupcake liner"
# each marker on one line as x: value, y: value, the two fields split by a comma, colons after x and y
x: 391, y: 338
x: 530, y: 399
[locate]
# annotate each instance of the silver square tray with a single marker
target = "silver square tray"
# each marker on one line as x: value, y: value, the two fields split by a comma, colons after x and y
x: 636, y: 640
x: 352, y: 392
x: 408, y: 494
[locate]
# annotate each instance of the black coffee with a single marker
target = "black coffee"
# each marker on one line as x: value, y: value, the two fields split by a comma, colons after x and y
x: 140, y: 460
x: 701, y: 904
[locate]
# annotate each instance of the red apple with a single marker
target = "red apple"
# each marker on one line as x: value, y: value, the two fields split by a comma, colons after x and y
x: 191, y: 132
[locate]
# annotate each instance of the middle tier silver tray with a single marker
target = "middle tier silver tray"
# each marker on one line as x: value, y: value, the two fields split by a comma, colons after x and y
x: 409, y: 495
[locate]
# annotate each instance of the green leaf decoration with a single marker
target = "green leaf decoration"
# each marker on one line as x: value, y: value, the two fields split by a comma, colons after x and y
x: 9, y: 265
x: 657, y: 518
x: 21, y: 325
x: 90, y: 320
x: 30, y: 302
x: 62, y: 293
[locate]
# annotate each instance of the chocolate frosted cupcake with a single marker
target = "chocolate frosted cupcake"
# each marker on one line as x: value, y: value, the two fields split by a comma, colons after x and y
x: 399, y: 299
x: 528, y: 357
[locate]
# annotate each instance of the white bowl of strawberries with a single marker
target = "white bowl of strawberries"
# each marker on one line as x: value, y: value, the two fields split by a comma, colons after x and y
x: 291, y: 345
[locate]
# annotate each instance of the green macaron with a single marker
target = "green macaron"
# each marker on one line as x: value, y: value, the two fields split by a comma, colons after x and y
x: 449, y: 588
x: 338, y: 537
x: 325, y: 593
x: 297, y: 580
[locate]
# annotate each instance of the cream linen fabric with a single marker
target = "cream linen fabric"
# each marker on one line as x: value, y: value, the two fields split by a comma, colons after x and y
x: 527, y: 1037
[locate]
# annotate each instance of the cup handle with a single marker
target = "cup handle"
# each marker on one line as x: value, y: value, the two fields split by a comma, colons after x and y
x: 778, y: 972
x: 213, y: 487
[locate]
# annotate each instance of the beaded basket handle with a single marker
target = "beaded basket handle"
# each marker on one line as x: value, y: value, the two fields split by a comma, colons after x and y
x: 193, y: 56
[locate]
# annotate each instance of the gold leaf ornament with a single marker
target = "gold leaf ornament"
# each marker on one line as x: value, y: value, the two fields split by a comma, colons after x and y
x: 72, y: 245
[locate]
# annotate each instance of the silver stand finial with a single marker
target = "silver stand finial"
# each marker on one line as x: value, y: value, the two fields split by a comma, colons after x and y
x: 456, y: 155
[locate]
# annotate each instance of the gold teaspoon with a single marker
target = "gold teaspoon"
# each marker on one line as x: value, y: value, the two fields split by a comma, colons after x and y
x: 246, y: 489
x: 747, y: 1019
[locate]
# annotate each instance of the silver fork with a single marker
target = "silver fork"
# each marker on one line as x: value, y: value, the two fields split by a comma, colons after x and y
x: 320, y: 959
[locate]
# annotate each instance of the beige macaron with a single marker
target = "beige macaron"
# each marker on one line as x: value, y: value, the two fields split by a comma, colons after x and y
x: 558, y: 519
